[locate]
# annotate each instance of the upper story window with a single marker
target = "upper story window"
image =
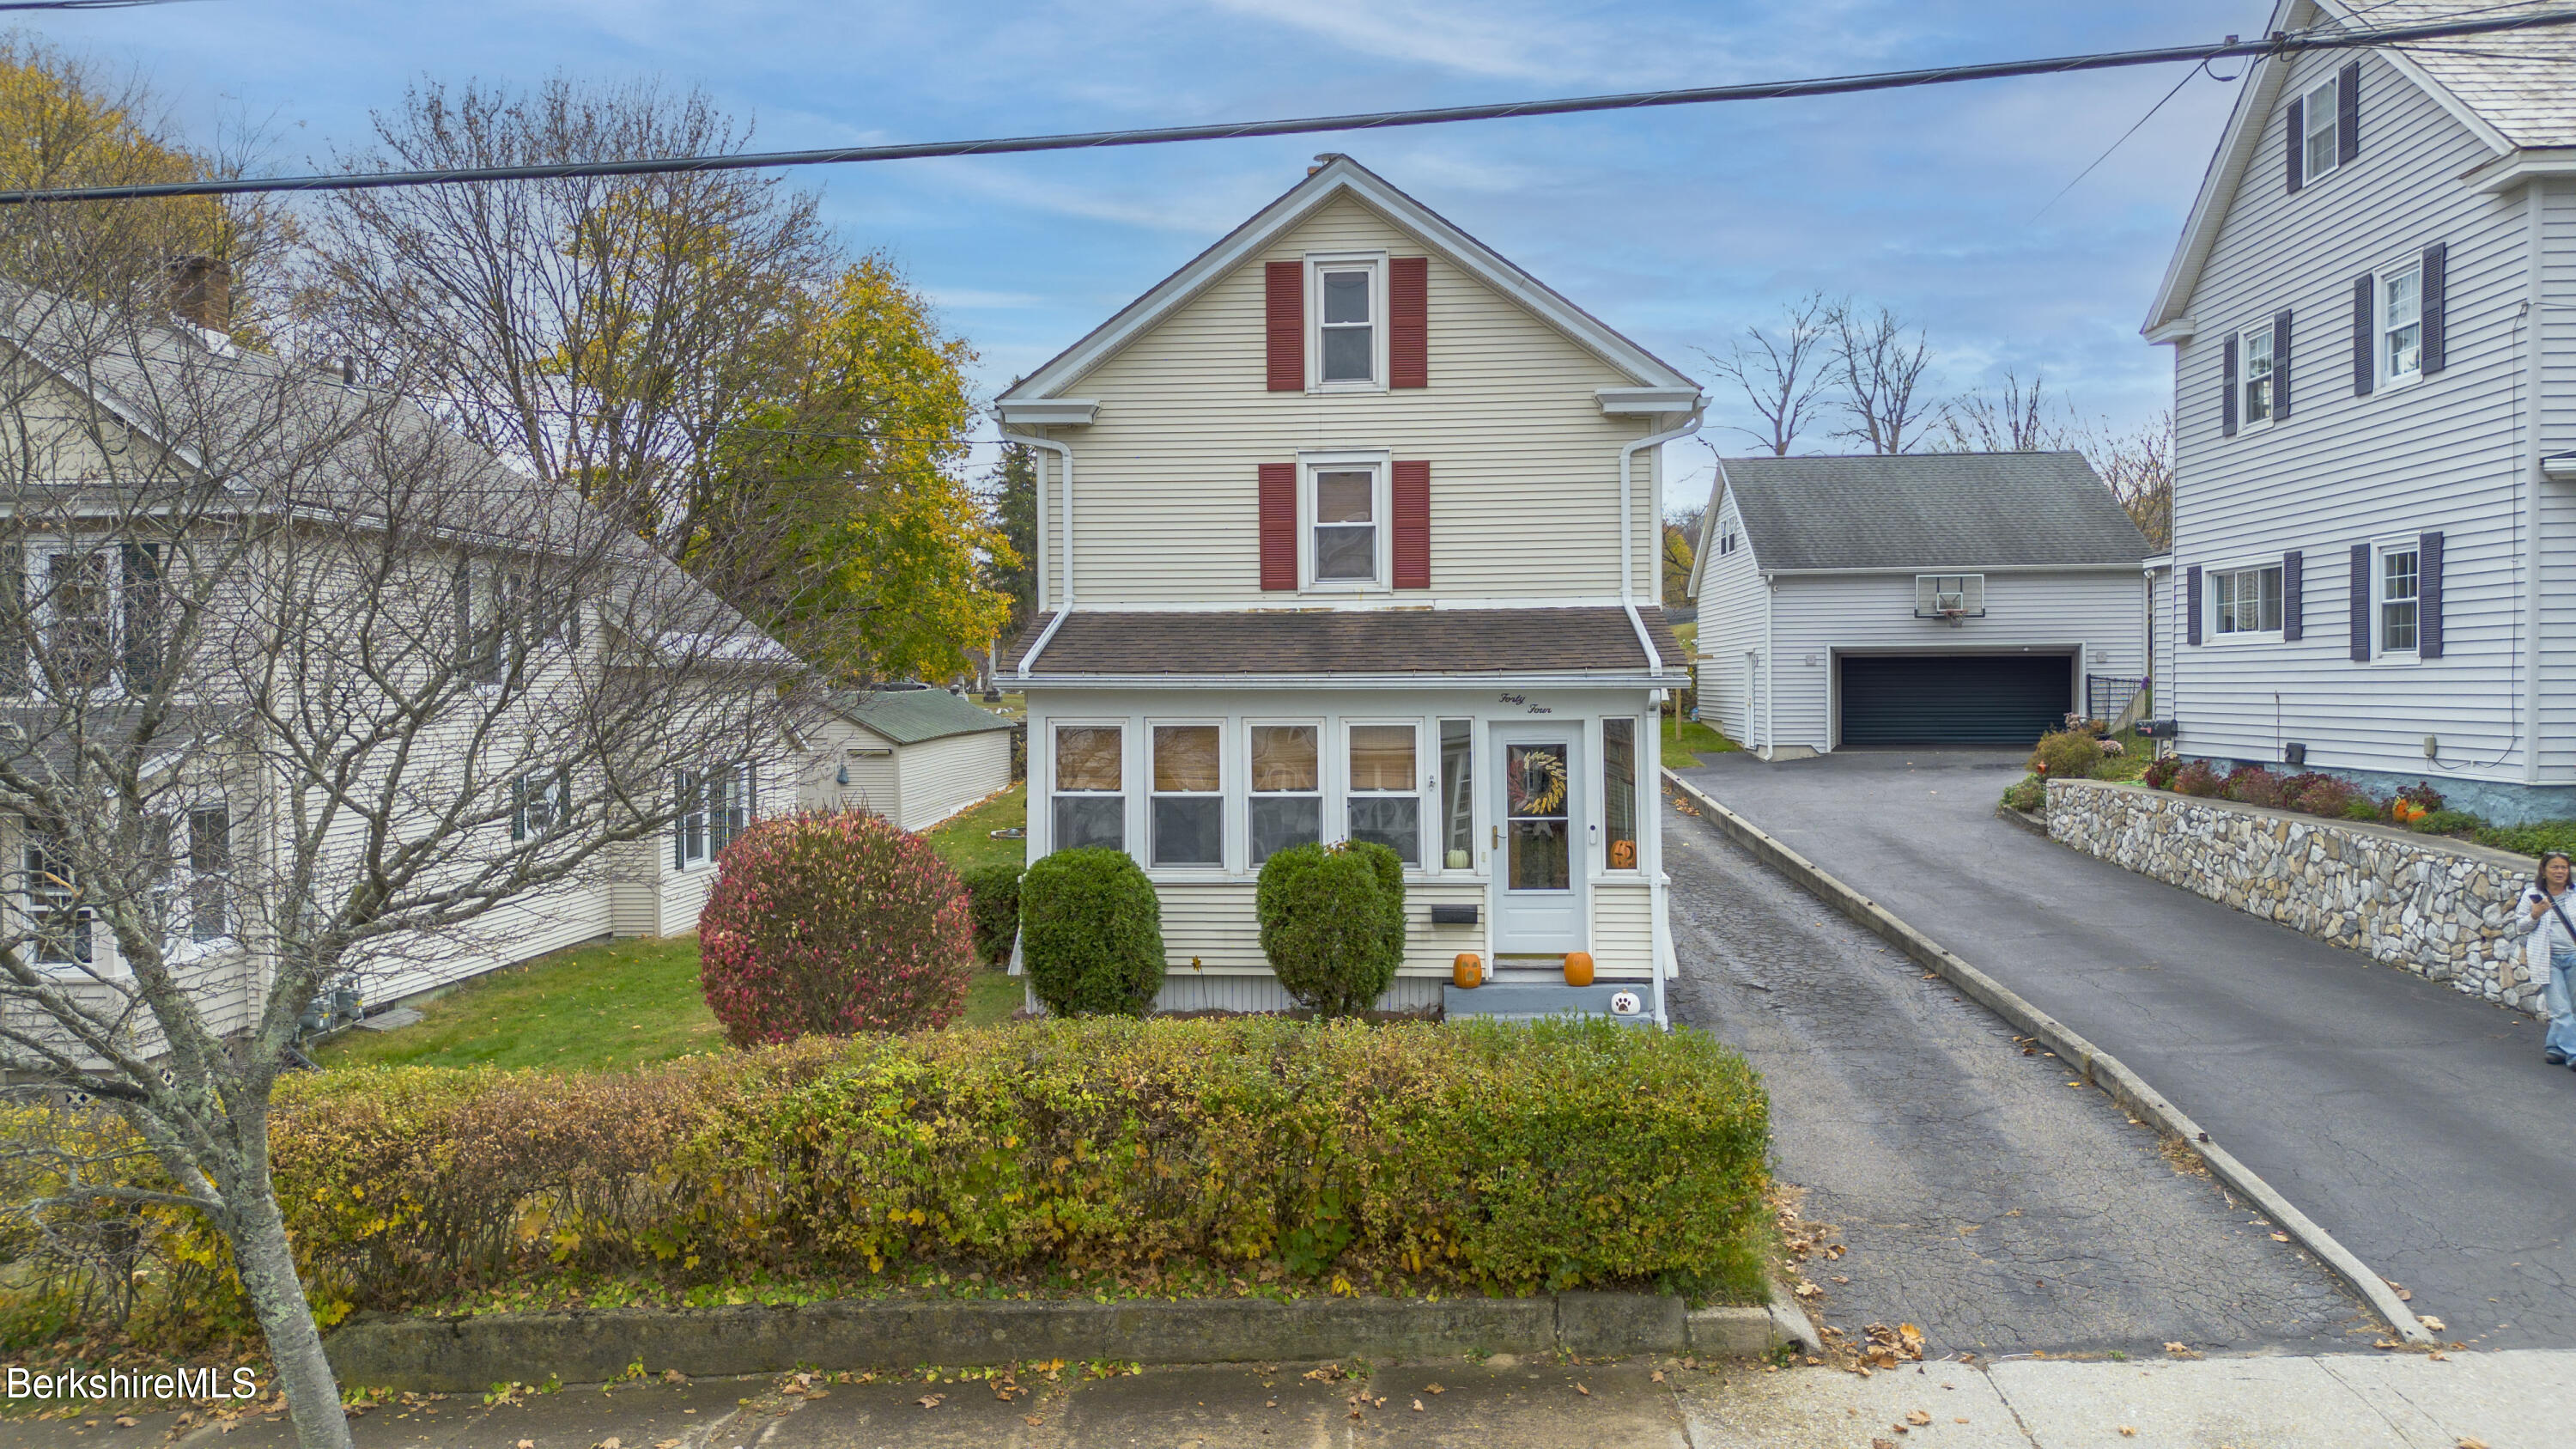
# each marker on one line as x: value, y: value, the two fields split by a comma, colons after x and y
x: 51, y: 899
x: 2318, y: 118
x: 2401, y: 324
x: 1349, y: 312
x: 2400, y: 599
x: 2247, y: 601
x: 2256, y: 379
x: 1346, y: 526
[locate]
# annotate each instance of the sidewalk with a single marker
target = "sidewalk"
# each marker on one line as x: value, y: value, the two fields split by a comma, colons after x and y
x: 2514, y: 1400
x: 2523, y: 1399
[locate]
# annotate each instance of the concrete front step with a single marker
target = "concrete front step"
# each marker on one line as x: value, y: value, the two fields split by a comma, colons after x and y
x: 1527, y: 1001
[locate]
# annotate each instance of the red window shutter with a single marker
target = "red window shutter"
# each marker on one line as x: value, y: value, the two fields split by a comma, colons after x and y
x: 1284, y: 306
x: 1412, y: 524
x: 1279, y: 526
x: 1408, y: 317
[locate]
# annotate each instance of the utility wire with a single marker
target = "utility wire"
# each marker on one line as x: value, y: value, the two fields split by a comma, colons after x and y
x: 81, y: 4
x: 2276, y: 45
x: 2124, y: 140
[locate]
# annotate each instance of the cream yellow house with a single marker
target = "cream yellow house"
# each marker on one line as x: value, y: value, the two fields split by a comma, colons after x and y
x: 1348, y: 531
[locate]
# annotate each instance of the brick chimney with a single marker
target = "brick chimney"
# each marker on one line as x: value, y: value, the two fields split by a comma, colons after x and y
x: 201, y: 292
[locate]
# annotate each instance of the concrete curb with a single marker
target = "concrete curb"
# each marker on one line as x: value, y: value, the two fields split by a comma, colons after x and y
x: 2035, y: 824
x: 466, y: 1355
x: 2097, y: 1066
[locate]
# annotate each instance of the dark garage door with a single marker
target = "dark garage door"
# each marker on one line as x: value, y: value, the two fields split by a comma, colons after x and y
x: 1954, y: 699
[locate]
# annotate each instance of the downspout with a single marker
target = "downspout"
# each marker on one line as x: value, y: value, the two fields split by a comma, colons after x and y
x: 1065, y: 452
x: 2535, y: 317
x: 1660, y: 935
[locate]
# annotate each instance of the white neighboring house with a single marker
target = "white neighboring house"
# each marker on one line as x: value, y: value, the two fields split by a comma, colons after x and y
x: 1349, y: 532
x: 1921, y: 599
x: 2373, y: 314
x: 912, y: 756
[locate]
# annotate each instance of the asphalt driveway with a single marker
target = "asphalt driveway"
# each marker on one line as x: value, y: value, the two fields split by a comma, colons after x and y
x: 1978, y: 1196
x: 2415, y: 1123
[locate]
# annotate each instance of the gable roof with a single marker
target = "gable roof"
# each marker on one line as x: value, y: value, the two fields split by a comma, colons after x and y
x: 2511, y: 89
x: 910, y: 716
x: 1930, y: 511
x: 1337, y: 177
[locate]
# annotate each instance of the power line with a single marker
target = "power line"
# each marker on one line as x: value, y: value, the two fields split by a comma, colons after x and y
x: 2280, y: 44
x: 2200, y: 69
x: 80, y: 4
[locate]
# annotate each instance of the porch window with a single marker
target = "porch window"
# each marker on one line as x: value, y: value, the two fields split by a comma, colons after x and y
x: 1619, y: 792
x: 1286, y: 788
x: 1386, y: 789
x: 1090, y: 787
x: 1457, y: 794
x: 1189, y: 806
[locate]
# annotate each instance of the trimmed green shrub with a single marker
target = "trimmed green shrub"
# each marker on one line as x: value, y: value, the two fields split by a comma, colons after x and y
x: 2029, y: 795
x: 833, y: 922
x: 2362, y: 807
x: 2160, y: 771
x: 2532, y: 839
x: 2067, y: 755
x: 993, y: 898
x: 1332, y: 923
x: 1091, y: 933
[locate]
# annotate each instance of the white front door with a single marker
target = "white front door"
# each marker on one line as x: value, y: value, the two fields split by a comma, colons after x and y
x: 1539, y: 846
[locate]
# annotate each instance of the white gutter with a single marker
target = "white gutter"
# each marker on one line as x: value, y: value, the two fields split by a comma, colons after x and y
x: 1628, y: 526
x: 1562, y: 679
x: 1064, y: 451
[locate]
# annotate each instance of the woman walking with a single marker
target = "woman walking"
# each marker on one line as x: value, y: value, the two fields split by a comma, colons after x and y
x: 2553, y: 952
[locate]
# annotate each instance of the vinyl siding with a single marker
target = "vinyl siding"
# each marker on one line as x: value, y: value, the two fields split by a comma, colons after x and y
x: 1524, y: 467
x: 944, y: 776
x: 874, y: 780
x: 1215, y: 929
x: 1623, y: 932
x: 2442, y: 454
x: 1816, y: 616
x: 1734, y: 606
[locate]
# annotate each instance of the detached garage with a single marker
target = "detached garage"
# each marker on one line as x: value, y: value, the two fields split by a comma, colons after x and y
x: 915, y: 756
x: 1936, y: 599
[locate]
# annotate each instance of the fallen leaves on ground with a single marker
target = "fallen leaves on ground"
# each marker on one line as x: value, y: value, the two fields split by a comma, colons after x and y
x: 2180, y: 1350
x: 1032, y: 1420
x: 2471, y: 1441
x: 1580, y: 1389
x: 2404, y: 1294
x: 2431, y: 1323
x: 1435, y: 1388
x: 1918, y: 1418
x: 1417, y: 1406
x: 931, y: 1401
x: 2128, y: 1433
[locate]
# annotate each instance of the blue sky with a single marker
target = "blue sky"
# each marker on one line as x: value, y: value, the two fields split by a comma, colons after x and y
x: 1678, y: 226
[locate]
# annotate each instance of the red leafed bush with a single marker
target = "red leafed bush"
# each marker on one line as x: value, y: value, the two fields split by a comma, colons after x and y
x: 2197, y: 778
x: 832, y: 923
x: 2253, y: 785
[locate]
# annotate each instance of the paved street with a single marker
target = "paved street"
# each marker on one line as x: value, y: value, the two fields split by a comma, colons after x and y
x: 2415, y: 1123
x: 1980, y: 1197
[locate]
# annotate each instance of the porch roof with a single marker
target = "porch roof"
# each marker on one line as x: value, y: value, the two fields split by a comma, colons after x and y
x: 1257, y: 643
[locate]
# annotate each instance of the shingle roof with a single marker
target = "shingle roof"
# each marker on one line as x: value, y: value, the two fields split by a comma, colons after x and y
x: 2520, y: 81
x: 1931, y: 510
x: 1375, y: 641
x: 910, y: 716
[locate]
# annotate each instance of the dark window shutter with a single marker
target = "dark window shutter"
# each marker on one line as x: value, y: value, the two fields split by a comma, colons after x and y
x: 1412, y: 524
x: 2361, y: 603
x: 2294, y: 610
x: 1279, y: 526
x: 2227, y: 386
x: 2280, y: 365
x: 1284, y: 310
x: 2428, y: 596
x: 2436, y: 324
x: 2365, y: 334
x: 142, y: 616
x: 519, y: 808
x: 1408, y: 321
x: 2298, y: 148
x: 2348, y: 115
x: 20, y: 623
x: 2191, y: 604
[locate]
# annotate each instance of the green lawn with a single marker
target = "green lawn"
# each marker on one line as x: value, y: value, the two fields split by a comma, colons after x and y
x: 626, y: 1003
x: 967, y: 840
x: 621, y: 1004
x: 1685, y: 739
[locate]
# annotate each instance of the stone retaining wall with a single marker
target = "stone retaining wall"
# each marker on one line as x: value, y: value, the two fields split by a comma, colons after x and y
x: 2439, y: 908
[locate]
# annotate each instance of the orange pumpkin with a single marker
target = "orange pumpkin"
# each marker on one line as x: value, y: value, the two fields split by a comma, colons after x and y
x: 1623, y: 855
x: 1578, y: 968
x: 1468, y: 970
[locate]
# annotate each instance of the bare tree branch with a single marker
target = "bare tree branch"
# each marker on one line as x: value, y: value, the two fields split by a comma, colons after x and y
x: 1878, y: 376
x: 1783, y: 372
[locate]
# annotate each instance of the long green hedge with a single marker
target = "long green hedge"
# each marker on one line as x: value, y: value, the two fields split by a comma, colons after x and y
x: 1508, y: 1158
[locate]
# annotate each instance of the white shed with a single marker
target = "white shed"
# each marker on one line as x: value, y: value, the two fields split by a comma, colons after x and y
x: 913, y: 756
x: 1924, y: 599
